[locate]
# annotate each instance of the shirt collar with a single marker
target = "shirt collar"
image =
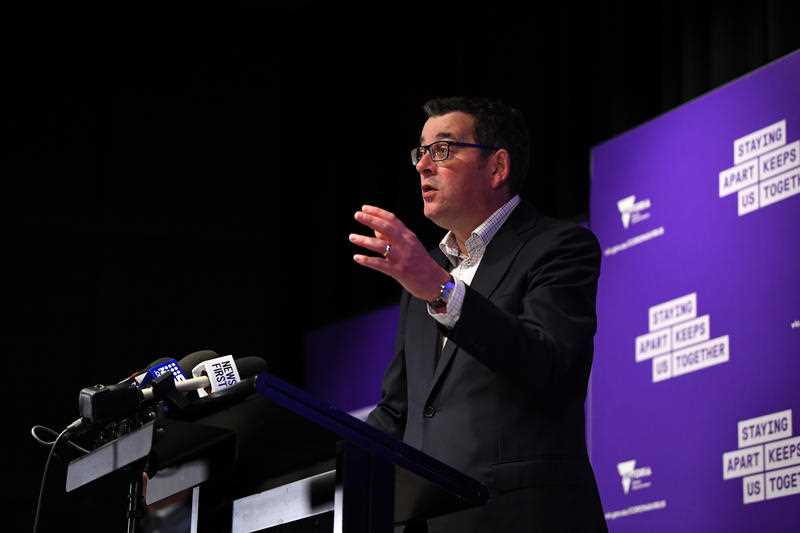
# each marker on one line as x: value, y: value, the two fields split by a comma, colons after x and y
x: 479, y: 238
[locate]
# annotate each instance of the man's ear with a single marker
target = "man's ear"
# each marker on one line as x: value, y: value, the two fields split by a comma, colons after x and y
x: 501, y: 168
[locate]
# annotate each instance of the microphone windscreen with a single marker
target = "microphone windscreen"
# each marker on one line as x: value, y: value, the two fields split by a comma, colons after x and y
x: 250, y: 366
x: 157, y: 362
x: 195, y: 358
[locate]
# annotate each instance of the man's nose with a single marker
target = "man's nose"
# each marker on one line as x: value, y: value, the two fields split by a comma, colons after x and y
x: 426, y: 165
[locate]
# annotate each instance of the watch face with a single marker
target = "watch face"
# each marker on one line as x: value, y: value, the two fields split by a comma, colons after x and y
x: 447, y: 289
x: 444, y: 294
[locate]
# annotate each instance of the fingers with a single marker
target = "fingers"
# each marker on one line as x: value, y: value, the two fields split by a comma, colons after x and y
x: 376, y: 263
x: 375, y: 245
x: 384, y: 223
x: 387, y: 228
x: 378, y: 212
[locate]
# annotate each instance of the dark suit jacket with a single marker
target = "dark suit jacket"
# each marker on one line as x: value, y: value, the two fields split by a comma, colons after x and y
x: 504, y: 404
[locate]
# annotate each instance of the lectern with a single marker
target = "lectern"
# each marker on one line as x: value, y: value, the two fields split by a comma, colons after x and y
x: 309, y: 457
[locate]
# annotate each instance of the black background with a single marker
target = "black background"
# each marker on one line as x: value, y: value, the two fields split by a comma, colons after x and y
x: 183, y: 178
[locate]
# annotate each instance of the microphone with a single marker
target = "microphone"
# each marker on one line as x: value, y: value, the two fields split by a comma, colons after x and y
x: 195, y: 358
x: 101, y: 403
x: 247, y: 367
x: 163, y: 366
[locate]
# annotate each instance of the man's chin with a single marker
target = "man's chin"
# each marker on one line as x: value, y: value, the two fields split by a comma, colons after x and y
x: 430, y: 210
x: 434, y: 214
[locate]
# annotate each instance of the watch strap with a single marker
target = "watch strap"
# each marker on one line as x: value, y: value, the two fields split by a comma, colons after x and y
x: 445, y: 289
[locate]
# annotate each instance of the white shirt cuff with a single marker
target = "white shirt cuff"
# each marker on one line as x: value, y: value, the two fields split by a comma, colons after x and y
x: 453, y: 311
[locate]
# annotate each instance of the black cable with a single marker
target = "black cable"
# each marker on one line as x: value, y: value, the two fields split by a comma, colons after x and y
x: 44, y: 476
x: 52, y: 432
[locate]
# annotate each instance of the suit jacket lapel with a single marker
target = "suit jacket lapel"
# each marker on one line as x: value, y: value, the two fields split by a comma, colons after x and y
x: 496, y: 260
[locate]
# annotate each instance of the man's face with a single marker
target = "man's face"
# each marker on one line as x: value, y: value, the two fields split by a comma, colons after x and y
x: 455, y: 188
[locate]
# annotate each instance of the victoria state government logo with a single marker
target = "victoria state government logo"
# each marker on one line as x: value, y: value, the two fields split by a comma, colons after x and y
x: 631, y: 211
x: 633, y: 478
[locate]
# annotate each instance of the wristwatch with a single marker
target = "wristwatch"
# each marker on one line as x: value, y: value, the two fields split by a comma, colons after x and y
x: 444, y: 294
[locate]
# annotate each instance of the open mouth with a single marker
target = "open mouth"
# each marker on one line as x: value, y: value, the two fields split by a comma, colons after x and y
x: 427, y: 188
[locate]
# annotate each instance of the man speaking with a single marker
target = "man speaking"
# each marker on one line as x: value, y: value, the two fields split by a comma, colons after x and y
x: 495, y: 340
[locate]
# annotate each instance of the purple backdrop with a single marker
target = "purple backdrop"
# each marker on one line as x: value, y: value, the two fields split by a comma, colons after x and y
x: 345, y: 362
x: 699, y: 307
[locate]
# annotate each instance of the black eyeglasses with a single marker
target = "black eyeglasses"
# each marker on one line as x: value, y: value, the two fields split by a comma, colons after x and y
x: 440, y: 150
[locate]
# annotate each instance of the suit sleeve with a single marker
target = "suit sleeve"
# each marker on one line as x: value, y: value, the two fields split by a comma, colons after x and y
x: 546, y: 344
x: 390, y: 413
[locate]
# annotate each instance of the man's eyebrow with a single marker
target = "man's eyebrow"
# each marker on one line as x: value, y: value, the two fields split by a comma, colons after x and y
x: 440, y: 135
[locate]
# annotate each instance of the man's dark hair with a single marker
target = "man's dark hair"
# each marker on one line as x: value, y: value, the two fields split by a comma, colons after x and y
x: 496, y: 124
